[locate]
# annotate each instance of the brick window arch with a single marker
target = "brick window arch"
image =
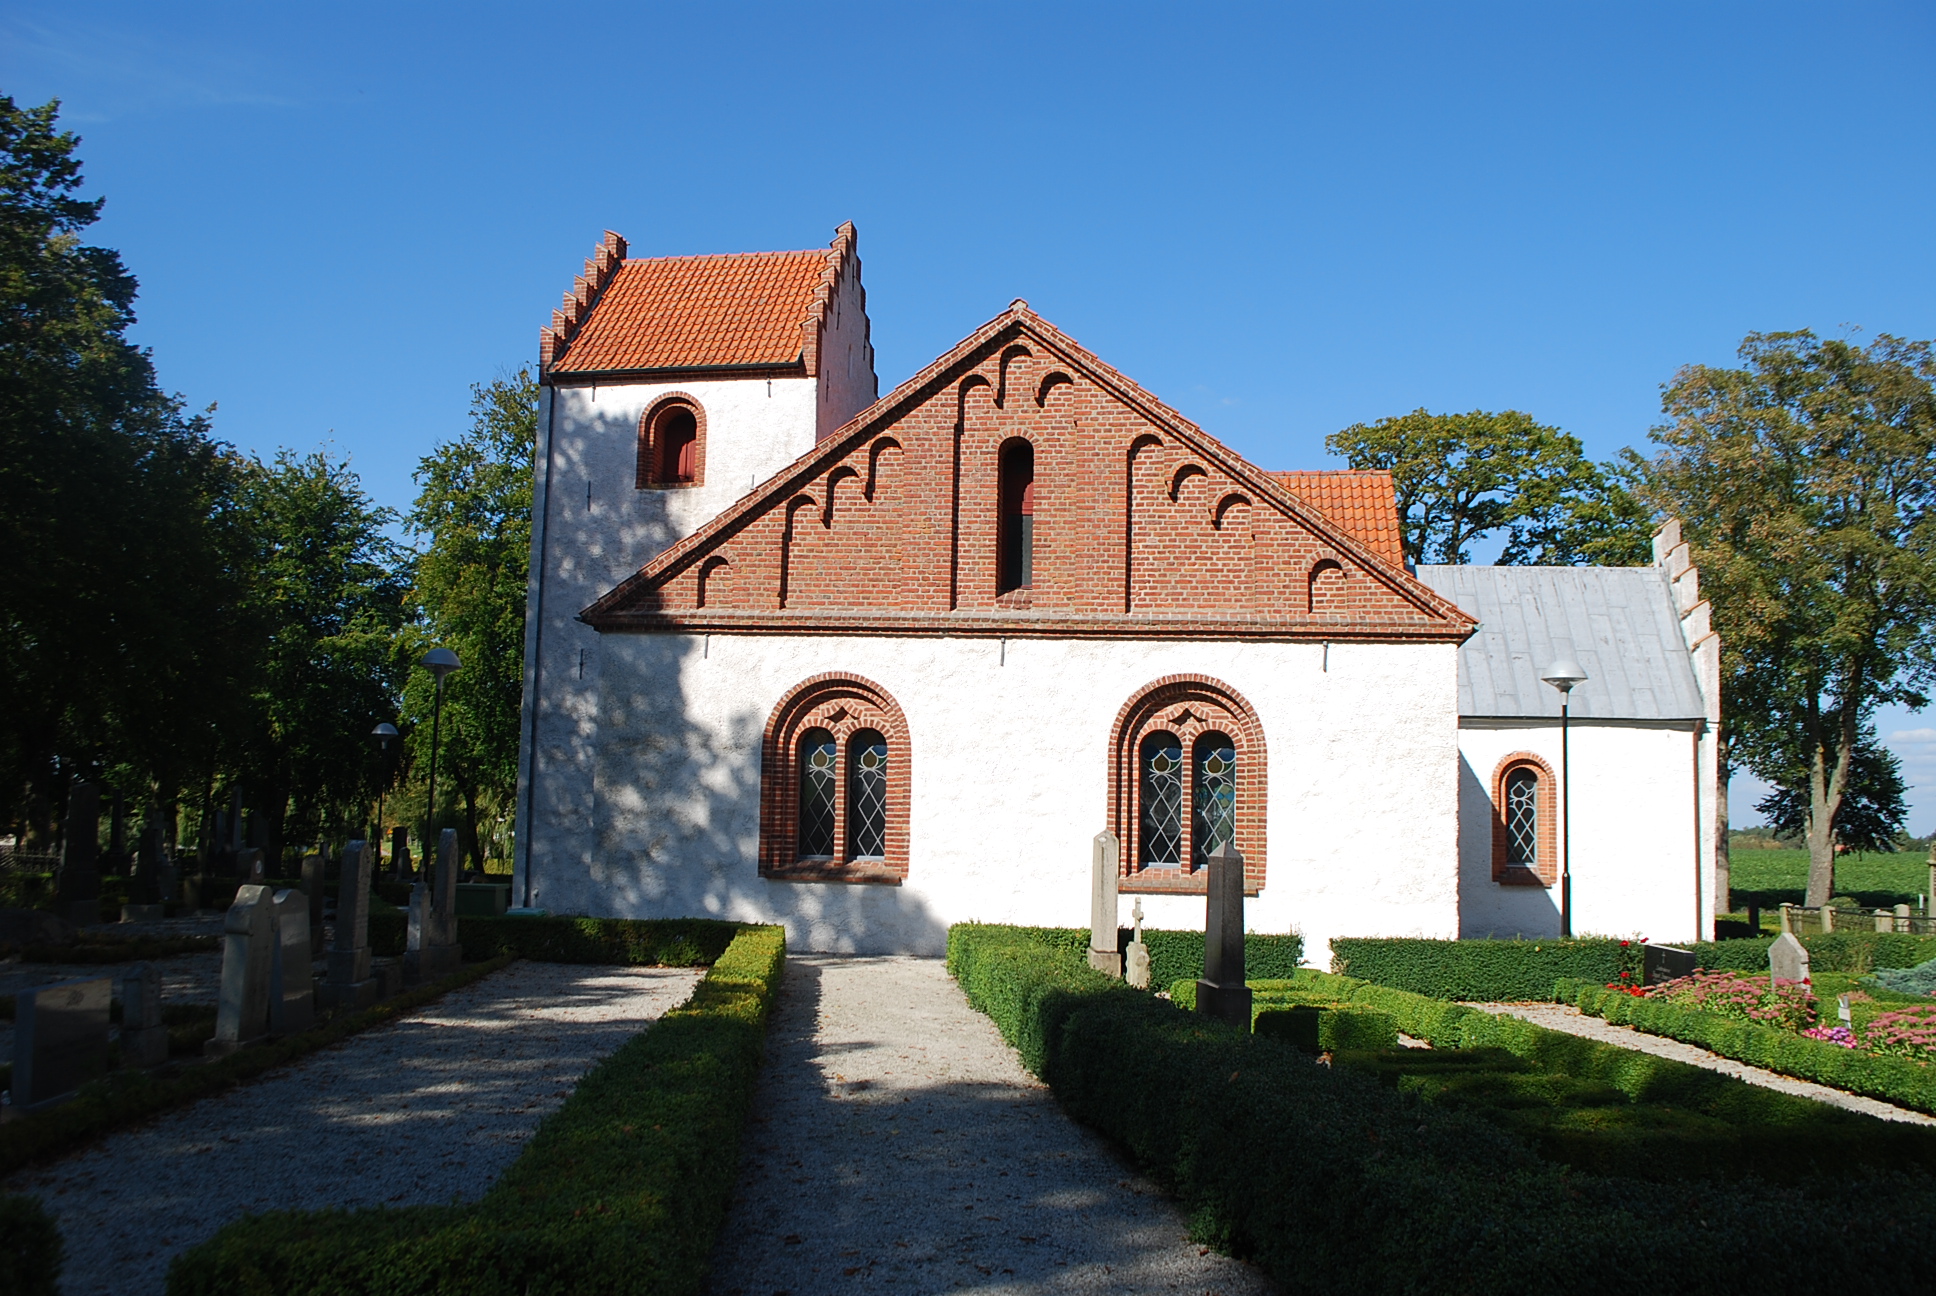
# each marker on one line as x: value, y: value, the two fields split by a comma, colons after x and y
x: 1525, y: 822
x: 1186, y: 764
x: 834, y: 772
x: 672, y: 443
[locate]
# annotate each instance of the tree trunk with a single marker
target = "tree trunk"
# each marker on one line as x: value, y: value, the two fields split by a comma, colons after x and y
x: 1825, y: 789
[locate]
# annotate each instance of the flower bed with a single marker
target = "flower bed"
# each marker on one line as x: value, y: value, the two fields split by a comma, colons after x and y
x: 1787, y: 1005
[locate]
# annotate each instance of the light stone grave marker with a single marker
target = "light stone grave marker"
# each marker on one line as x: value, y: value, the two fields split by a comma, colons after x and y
x: 248, y: 957
x: 432, y: 950
x: 350, y: 983
x: 60, y: 1040
x: 1137, y: 971
x: 1787, y: 960
x: 144, y: 1040
x: 1105, y: 858
x: 292, y: 979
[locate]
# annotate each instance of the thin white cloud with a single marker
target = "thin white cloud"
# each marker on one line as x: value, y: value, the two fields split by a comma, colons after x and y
x: 108, y: 71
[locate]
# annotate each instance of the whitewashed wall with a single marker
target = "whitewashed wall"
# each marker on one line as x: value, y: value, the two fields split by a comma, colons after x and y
x: 1636, y: 842
x: 1010, y: 778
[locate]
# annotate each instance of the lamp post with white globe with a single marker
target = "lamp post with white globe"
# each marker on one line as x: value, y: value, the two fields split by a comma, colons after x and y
x: 1563, y: 674
x: 441, y: 662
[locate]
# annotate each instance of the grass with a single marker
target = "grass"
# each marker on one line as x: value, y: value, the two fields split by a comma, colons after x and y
x: 1768, y: 877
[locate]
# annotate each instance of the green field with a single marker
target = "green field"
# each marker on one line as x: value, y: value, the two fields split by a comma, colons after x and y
x: 1768, y: 877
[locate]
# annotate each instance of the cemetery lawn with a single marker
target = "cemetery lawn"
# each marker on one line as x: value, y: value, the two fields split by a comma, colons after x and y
x: 1769, y: 877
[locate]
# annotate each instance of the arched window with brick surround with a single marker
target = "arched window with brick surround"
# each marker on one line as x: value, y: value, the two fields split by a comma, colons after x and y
x: 672, y: 444
x: 1187, y: 773
x: 834, y: 770
x: 1525, y: 831
x: 1017, y: 541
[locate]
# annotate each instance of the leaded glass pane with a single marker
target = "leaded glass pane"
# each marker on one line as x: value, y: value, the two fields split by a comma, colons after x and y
x: 1162, y: 768
x: 867, y: 796
x: 1216, y: 794
x: 816, y: 794
x: 1522, y: 818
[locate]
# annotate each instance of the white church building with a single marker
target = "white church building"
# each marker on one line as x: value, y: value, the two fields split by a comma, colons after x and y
x: 870, y: 665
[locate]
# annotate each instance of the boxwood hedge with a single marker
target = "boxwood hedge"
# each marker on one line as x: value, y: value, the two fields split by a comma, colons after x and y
x: 1484, y: 970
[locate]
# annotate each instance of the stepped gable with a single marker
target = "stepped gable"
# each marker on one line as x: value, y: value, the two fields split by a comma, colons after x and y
x: 757, y: 311
x: 1145, y: 525
x: 1361, y: 500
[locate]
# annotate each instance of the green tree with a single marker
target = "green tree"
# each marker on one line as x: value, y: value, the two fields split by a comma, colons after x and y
x: 1461, y: 477
x: 1805, y: 480
x: 474, y: 506
x: 115, y: 511
x: 326, y: 603
x: 1873, y: 810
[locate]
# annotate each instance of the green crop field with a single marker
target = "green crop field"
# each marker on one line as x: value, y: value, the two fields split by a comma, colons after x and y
x: 1768, y: 877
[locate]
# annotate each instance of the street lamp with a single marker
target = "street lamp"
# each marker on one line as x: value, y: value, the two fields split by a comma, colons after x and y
x: 383, y: 733
x: 1563, y: 674
x: 441, y: 661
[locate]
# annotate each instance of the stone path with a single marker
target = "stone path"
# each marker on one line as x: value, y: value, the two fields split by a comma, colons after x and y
x: 428, y: 1109
x: 1567, y: 1018
x: 897, y: 1145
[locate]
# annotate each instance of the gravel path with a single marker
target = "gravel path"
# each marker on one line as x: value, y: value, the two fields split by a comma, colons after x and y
x: 898, y: 1145
x: 428, y: 1109
x: 1567, y: 1018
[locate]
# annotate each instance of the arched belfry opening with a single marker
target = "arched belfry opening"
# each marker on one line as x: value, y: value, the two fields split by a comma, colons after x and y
x: 1017, y: 543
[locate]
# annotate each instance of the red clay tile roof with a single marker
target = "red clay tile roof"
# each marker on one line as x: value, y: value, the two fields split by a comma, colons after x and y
x: 1362, y: 502
x: 701, y: 312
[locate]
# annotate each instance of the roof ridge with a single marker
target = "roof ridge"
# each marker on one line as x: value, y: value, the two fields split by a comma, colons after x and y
x: 845, y: 245
x: 603, y: 263
x: 727, y: 256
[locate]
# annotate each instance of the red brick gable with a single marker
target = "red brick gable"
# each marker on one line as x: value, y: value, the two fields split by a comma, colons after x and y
x: 1145, y: 525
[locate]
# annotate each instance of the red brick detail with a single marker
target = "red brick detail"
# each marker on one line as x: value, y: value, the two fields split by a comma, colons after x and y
x: 1548, y: 871
x: 843, y: 705
x: 569, y: 319
x: 1187, y: 706
x: 1326, y: 590
x: 652, y: 450
x: 1143, y: 524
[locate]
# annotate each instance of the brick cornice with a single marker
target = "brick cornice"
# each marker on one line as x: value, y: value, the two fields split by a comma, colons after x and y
x: 978, y: 625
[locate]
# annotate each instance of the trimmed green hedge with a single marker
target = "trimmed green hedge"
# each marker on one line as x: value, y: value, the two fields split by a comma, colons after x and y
x: 1892, y: 1079
x: 1853, y: 951
x: 1178, y: 955
x: 30, y: 1249
x: 622, y: 1190
x: 1310, y: 1027
x: 1336, y: 1183
x: 1483, y: 970
x: 660, y: 942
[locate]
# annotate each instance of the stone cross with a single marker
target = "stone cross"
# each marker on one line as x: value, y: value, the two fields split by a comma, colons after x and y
x: 1787, y: 960
x: 1137, y: 963
x: 312, y: 885
x: 432, y: 949
x: 1105, y: 859
x: 248, y: 960
x: 60, y: 1040
x: 144, y: 1040
x: 292, y: 981
x: 1221, y: 993
x: 77, y: 887
x: 350, y: 984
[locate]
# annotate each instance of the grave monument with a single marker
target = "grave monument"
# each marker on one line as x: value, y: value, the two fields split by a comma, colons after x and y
x: 312, y: 885
x: 1221, y: 992
x: 144, y: 884
x: 432, y: 950
x: 1105, y: 859
x: 1787, y: 960
x: 292, y: 980
x: 60, y: 1040
x: 1136, y: 969
x: 77, y: 887
x: 144, y: 1040
x: 350, y: 983
x: 248, y: 959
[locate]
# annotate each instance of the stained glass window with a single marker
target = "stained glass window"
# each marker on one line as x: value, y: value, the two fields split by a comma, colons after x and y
x: 867, y: 796
x: 1162, y: 769
x: 1522, y: 818
x: 817, y: 794
x: 1216, y: 794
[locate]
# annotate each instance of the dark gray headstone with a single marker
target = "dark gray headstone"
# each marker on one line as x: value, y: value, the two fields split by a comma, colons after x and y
x: 1221, y: 993
x: 400, y: 864
x: 312, y: 885
x: 77, y: 888
x: 1660, y: 963
x: 292, y: 979
x: 60, y: 1040
x: 144, y: 1040
x: 144, y: 886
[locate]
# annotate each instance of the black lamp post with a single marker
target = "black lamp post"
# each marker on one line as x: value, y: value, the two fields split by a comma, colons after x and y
x: 383, y: 733
x: 1563, y: 674
x: 441, y: 661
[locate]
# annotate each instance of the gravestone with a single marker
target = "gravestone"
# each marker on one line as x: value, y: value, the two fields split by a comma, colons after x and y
x: 349, y: 984
x: 312, y: 885
x: 292, y: 979
x: 117, y: 858
x: 144, y: 884
x: 1105, y: 858
x: 432, y: 949
x: 250, y: 867
x: 1136, y: 968
x: 400, y: 867
x: 1221, y: 992
x: 1660, y: 963
x: 1787, y: 960
x: 77, y: 887
x: 248, y: 959
x: 60, y: 1040
x: 144, y: 1040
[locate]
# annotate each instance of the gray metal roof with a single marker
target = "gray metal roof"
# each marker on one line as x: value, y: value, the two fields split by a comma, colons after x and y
x: 1620, y: 623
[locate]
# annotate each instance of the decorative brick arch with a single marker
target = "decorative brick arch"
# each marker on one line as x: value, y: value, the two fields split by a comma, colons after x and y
x: 844, y: 705
x: 1547, y: 806
x: 652, y: 428
x: 1326, y: 588
x: 1187, y: 706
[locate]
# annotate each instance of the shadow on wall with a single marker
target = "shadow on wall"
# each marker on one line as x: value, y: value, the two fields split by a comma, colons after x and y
x: 677, y: 822
x: 1487, y: 909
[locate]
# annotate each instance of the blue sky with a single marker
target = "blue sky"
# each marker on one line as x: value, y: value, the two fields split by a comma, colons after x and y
x: 1281, y: 219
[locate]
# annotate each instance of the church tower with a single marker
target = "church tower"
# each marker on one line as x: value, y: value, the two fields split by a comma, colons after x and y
x: 671, y: 387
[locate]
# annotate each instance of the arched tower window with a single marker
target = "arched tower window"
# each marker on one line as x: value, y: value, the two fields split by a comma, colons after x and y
x: 1215, y: 770
x: 1161, y: 842
x: 1525, y: 828
x: 834, y: 784
x: 817, y: 799
x: 867, y: 754
x: 1017, y: 543
x: 672, y: 444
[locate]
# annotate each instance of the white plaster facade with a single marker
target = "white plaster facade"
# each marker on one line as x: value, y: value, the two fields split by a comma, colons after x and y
x: 1008, y: 773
